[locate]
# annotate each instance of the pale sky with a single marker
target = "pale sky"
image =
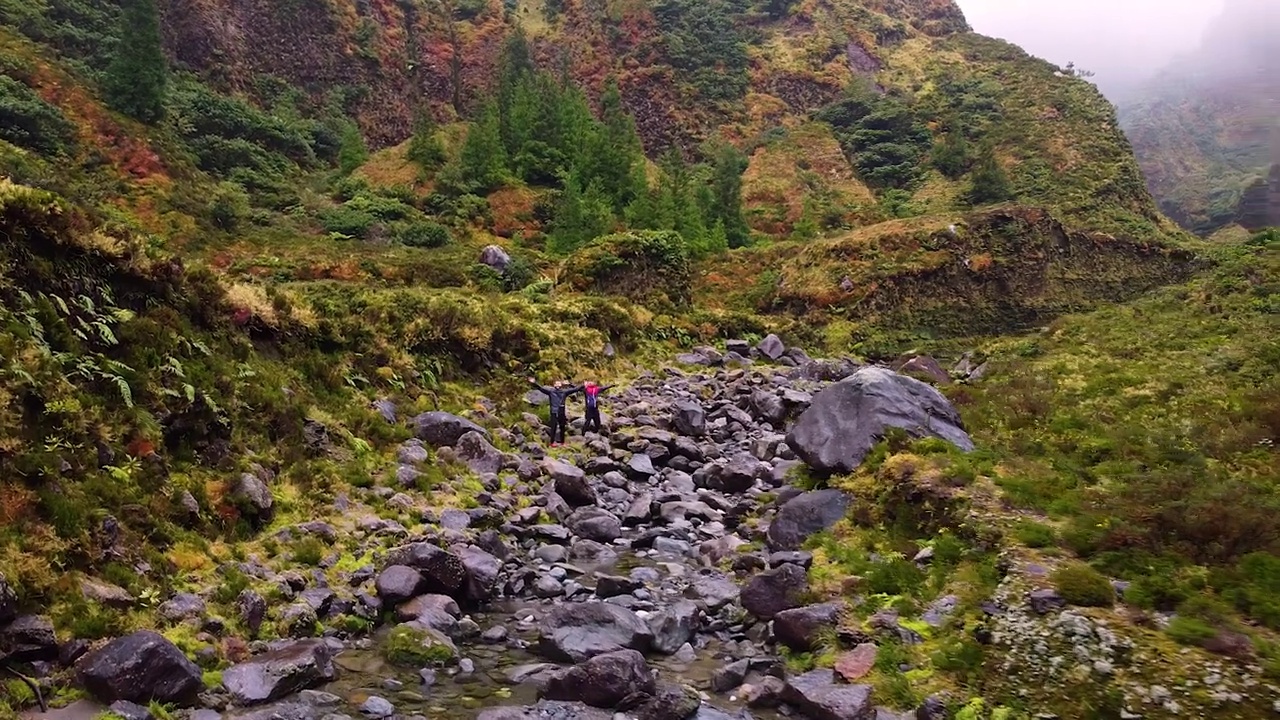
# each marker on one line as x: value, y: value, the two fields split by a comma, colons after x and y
x: 1123, y: 41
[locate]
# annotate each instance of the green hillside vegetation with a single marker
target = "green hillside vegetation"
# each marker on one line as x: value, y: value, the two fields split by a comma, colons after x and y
x: 218, y: 250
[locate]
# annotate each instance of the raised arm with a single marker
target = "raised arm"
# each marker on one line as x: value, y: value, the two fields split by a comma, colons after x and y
x: 544, y: 390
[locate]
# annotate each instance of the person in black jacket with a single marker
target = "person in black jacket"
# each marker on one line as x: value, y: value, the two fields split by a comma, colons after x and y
x: 557, y: 394
x: 591, y: 395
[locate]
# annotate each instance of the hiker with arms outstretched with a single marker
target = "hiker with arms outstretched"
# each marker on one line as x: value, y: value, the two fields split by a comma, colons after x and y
x: 591, y: 395
x: 557, y: 394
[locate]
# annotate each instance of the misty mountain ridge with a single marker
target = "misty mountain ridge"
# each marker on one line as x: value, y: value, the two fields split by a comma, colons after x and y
x: 1204, y: 128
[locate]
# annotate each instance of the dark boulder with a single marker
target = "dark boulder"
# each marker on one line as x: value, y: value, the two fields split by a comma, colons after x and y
x: 296, y: 666
x: 140, y: 668
x: 475, y: 451
x: 806, y: 515
x: 482, y: 572
x: 798, y: 628
x: 820, y: 697
x: 688, y: 418
x: 574, y: 632
x: 398, y: 583
x: 848, y: 418
x: 770, y: 592
x: 442, y: 571
x: 603, y: 681
x: 442, y: 429
x: 28, y: 638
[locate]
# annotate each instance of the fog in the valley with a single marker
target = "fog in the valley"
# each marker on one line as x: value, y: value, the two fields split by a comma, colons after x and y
x: 1122, y: 41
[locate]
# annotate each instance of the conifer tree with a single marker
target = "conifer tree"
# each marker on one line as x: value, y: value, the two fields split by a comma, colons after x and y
x: 137, y: 75
x: 616, y: 150
x: 425, y: 149
x: 989, y: 183
x: 483, y: 162
x: 581, y: 216
x: 726, y: 205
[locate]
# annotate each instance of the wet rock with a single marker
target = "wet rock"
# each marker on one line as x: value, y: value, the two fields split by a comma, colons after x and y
x: 806, y: 515
x: 640, y: 467
x: 640, y: 511
x: 296, y: 666
x: 846, y: 419
x: 673, y: 626
x: 713, y: 590
x: 819, y: 697
x: 494, y: 635
x: 140, y: 667
x: 29, y: 638
x: 426, y: 605
x: 477, y: 453
x: 482, y: 571
x: 689, y: 418
x: 377, y: 707
x: 576, y: 632
x: 772, y: 591
x: 130, y: 711
x: 253, y: 497
x: 442, y: 429
x: 669, y: 702
x: 594, y: 524
x: 771, y: 347
x: 182, y: 606
x: 442, y: 571
x: 608, y: 586
x: 252, y: 608
x: 604, y: 680
x: 399, y: 583
x: 570, y: 483
x: 546, y: 710
x: 765, y: 692
x: 797, y: 628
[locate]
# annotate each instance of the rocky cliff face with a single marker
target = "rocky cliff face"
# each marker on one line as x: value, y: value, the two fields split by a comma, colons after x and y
x: 1204, y: 130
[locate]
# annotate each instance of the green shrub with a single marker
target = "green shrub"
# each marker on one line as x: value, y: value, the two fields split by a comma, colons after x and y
x: 518, y: 274
x: 229, y: 206
x: 1081, y: 585
x: 1034, y: 534
x: 424, y: 234
x: 308, y: 551
x: 347, y: 221
x: 1190, y: 630
x: 29, y: 122
x: 485, y: 277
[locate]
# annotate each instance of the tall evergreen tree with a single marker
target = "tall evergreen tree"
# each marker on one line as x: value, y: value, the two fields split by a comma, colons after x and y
x: 726, y: 205
x: 989, y: 183
x: 515, y: 70
x: 616, y: 150
x: 425, y: 149
x: 482, y: 164
x: 582, y: 214
x: 137, y: 75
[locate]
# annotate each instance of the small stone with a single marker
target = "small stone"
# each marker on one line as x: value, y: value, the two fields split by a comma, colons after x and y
x: 377, y: 707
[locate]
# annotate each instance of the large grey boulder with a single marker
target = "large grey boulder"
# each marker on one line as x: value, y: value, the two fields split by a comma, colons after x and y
x: 478, y: 454
x: 574, y: 632
x: 495, y: 257
x: 28, y: 638
x: 603, y: 681
x: 253, y: 497
x: 140, y: 668
x: 806, y: 515
x: 818, y: 696
x: 689, y: 418
x: 297, y: 666
x: 442, y: 571
x: 442, y: 429
x: 771, y: 347
x: 772, y: 591
x: 846, y: 419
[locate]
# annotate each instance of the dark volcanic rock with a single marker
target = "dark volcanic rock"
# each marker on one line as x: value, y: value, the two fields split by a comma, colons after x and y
x: 820, y: 697
x: 28, y: 638
x: 574, y: 632
x: 399, y: 583
x: 443, y: 429
x: 674, y: 626
x: 475, y: 450
x: 482, y: 572
x: 297, y: 666
x: 570, y: 483
x: 846, y: 419
x: 806, y: 515
x: 772, y: 591
x: 442, y: 571
x: 546, y: 710
x: 140, y: 668
x: 688, y: 418
x: 796, y: 628
x: 604, y: 680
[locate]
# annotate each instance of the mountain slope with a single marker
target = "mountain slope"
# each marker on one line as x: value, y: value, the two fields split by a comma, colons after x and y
x: 1205, y: 129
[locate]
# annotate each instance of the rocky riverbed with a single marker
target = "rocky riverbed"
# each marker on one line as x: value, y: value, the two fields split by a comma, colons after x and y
x: 646, y: 571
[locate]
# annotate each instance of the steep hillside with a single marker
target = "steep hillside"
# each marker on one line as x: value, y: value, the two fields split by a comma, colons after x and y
x: 245, y: 246
x: 1205, y: 129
